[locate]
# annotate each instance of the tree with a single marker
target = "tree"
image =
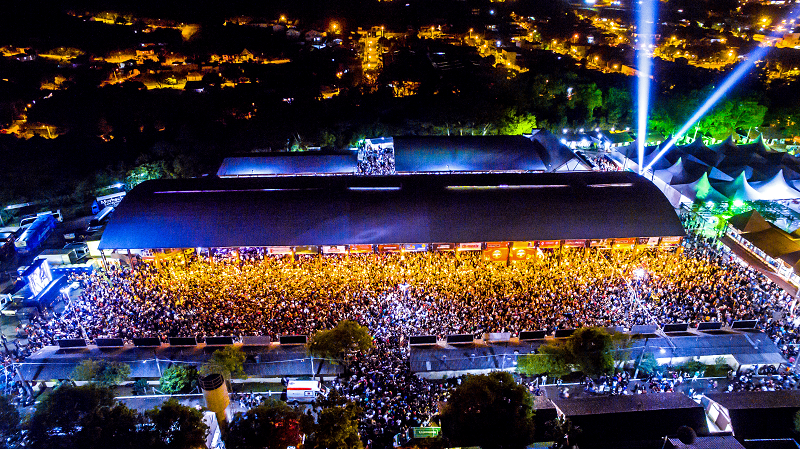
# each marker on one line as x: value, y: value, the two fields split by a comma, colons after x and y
x: 227, y: 362
x: 107, y: 427
x: 9, y: 422
x: 72, y: 416
x: 175, y: 426
x: 102, y: 372
x: 550, y: 360
x: 271, y: 425
x: 178, y: 379
x: 515, y: 123
x: 336, y: 428
x: 491, y: 411
x: 590, y: 350
x: 341, y: 342
x: 562, y: 432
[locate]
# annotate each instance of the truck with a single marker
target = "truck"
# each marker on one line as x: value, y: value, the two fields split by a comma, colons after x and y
x: 37, y: 233
x: 304, y: 390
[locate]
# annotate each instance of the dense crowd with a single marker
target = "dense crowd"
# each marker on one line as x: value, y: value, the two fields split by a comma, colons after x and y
x: 247, y: 292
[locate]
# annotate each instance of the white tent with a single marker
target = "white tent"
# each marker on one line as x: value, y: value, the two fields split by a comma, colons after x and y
x: 700, y: 190
x: 776, y: 188
x: 739, y: 189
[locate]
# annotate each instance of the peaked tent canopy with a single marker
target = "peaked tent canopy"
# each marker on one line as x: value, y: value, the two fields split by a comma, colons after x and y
x: 738, y: 189
x: 776, y: 188
x: 750, y: 221
x: 700, y: 190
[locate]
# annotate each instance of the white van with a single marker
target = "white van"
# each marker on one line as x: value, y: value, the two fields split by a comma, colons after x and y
x: 304, y: 390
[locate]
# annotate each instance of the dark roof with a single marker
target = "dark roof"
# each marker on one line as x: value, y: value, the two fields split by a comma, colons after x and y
x: 757, y: 399
x: 466, y: 153
x: 711, y: 442
x: 621, y: 404
x: 420, y: 208
x: 635, y: 418
x: 750, y: 221
x: 285, y: 163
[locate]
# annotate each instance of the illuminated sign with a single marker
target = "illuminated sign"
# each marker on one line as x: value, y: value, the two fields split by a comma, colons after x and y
x: 38, y: 276
x: 415, y: 247
x: 549, y: 243
x: 334, y: 249
x: 279, y: 250
x: 361, y: 249
x: 477, y: 246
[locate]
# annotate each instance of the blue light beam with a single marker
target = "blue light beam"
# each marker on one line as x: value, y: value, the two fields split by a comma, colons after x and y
x: 644, y: 61
x: 750, y: 61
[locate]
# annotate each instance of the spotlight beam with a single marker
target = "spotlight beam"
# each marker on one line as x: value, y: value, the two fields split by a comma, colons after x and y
x: 726, y: 86
x: 644, y: 62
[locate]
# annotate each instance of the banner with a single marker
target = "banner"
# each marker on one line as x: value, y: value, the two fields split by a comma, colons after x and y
x: 389, y: 248
x: 520, y: 254
x: 334, y: 249
x: 493, y: 245
x: 523, y: 245
x: 670, y: 242
x: 476, y: 246
x: 414, y: 247
x: 496, y: 254
x: 647, y: 242
x: 575, y: 243
x: 275, y: 250
x: 548, y: 244
x: 600, y: 243
x: 444, y: 246
x: 628, y: 243
x: 112, y: 200
x: 308, y: 249
x: 361, y: 249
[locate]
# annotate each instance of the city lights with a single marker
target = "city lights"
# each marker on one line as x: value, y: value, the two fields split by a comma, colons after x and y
x: 741, y: 70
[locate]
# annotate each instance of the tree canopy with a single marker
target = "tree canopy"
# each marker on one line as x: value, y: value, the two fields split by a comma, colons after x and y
x: 178, y: 379
x: 75, y: 417
x: 336, y: 428
x: 591, y: 350
x: 102, y: 372
x: 227, y: 362
x: 175, y: 426
x: 341, y: 342
x: 491, y: 411
x: 271, y: 425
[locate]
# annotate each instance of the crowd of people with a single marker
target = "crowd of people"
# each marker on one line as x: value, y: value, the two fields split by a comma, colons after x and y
x: 248, y: 292
x: 376, y: 160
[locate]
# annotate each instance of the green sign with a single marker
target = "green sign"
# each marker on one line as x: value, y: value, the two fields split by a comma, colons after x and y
x: 426, y: 432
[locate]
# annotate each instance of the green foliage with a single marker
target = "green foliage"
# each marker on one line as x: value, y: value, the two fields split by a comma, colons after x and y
x: 227, y: 362
x: 491, y: 411
x: 517, y: 123
x: 9, y: 422
x: 562, y: 432
x: 720, y: 368
x: 341, y: 342
x: 271, y: 425
x: 336, y: 428
x: 551, y: 360
x: 140, y: 386
x: 175, y: 426
x: 178, y: 379
x: 102, y: 372
x: 590, y: 349
x: 796, y: 427
x: 648, y: 364
x: 74, y: 417
x: 731, y: 115
x: 693, y: 366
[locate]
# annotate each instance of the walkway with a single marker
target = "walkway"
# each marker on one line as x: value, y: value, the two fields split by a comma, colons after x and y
x: 757, y: 263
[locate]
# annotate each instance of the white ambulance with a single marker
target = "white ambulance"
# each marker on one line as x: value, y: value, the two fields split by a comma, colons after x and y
x: 304, y: 390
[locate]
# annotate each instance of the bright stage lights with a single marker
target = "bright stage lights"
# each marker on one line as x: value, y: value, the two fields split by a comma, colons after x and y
x: 726, y: 86
x: 644, y: 61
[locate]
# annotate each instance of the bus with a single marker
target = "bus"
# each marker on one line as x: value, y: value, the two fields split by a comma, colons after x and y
x: 37, y: 233
x: 100, y: 219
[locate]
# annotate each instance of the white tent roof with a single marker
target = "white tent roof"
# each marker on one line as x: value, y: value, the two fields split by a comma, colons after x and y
x: 776, y: 188
x: 700, y: 190
x: 739, y: 189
